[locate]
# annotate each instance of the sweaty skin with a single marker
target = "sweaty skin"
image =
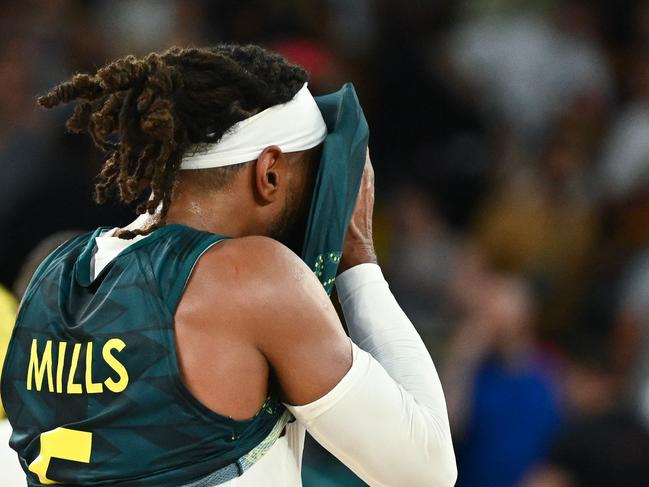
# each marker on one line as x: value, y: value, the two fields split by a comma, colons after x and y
x: 253, y: 308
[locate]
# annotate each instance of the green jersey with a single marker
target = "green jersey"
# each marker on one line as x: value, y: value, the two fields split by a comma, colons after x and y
x: 91, y: 383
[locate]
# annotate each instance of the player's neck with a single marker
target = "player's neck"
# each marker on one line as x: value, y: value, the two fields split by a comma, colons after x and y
x: 216, y: 213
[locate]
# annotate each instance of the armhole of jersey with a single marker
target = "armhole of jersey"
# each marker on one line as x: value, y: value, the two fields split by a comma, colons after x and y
x: 172, y: 300
x: 175, y: 292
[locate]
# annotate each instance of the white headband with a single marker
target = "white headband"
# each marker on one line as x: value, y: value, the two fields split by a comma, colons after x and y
x: 293, y: 126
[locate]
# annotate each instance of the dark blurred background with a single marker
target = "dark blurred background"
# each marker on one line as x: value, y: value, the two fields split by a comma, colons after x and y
x: 510, y: 140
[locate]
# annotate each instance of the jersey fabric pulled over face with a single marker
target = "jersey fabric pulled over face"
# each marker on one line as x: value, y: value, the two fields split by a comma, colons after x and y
x: 337, y: 182
x: 91, y: 383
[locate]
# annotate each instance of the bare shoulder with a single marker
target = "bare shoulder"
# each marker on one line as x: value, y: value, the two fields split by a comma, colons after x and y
x: 256, y: 253
x: 264, y: 269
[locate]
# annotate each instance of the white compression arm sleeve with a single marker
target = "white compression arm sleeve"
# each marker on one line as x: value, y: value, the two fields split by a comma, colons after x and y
x: 386, y: 419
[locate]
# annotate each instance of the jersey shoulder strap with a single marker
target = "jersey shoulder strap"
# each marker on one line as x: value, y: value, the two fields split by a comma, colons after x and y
x: 171, y: 254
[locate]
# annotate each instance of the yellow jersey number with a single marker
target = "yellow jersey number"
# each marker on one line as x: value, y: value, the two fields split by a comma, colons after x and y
x: 61, y: 443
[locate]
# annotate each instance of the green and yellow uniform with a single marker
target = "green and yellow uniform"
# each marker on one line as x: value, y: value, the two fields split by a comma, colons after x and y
x: 91, y: 383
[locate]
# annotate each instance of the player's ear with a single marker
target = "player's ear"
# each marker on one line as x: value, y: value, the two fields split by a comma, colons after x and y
x: 269, y: 174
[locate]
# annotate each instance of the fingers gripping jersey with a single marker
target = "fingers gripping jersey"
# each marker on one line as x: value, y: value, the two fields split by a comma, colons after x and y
x: 91, y: 383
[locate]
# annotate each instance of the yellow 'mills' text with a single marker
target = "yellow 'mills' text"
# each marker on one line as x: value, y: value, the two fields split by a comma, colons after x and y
x: 43, y: 365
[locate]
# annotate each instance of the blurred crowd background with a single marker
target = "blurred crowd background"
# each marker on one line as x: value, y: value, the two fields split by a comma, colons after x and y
x: 510, y: 140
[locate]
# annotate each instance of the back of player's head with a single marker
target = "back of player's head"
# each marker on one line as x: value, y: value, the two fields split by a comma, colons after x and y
x: 147, y: 112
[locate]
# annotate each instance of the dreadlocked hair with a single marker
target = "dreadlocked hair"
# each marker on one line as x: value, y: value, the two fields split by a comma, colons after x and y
x: 146, y: 113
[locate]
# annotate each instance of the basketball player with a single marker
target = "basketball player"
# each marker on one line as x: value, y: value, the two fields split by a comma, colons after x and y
x: 194, y: 347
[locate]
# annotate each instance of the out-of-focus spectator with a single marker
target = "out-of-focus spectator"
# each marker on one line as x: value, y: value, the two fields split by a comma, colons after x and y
x: 10, y: 471
x: 325, y: 72
x: 527, y: 68
x: 37, y: 255
x: 540, y: 220
x: 632, y: 332
x: 603, y: 444
x: 420, y: 263
x: 142, y: 26
x: 7, y: 317
x: 24, y: 140
x: 501, y: 396
x: 624, y: 164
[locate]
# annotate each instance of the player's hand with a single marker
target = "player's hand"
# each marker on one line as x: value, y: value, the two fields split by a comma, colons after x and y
x: 358, y: 247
